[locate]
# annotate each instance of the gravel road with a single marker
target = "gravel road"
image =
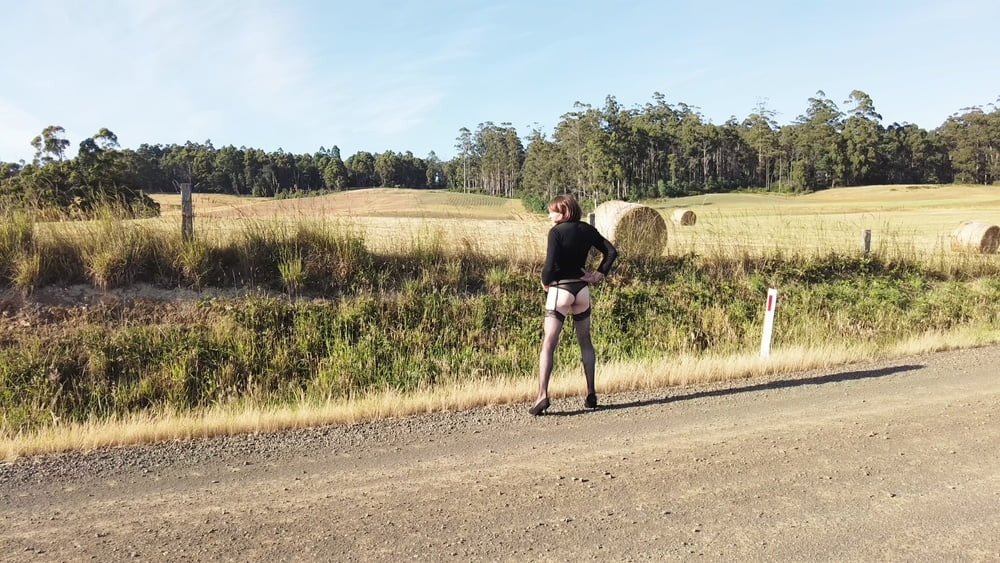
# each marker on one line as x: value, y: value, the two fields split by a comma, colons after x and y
x: 890, y: 461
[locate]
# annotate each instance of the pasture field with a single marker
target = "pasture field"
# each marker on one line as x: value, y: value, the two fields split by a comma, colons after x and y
x: 388, y: 219
x: 905, y: 220
x: 377, y: 303
x: 374, y: 202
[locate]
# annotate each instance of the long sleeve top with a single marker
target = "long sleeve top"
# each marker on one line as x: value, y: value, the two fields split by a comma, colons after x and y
x: 568, y: 246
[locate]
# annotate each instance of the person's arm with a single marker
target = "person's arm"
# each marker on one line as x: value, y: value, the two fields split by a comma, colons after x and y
x: 610, y: 253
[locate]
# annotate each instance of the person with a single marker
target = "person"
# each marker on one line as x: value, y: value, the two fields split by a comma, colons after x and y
x: 567, y: 287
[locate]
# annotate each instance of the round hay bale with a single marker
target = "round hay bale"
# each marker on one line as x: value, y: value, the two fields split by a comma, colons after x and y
x: 973, y: 236
x: 684, y: 217
x: 636, y: 230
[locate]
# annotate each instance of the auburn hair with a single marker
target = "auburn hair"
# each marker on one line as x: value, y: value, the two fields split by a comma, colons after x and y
x: 567, y: 206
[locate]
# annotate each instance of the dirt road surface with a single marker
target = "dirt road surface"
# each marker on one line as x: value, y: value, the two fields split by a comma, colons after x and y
x: 889, y: 461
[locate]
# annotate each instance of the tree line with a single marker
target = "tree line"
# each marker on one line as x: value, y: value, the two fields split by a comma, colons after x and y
x: 612, y: 152
x: 661, y: 149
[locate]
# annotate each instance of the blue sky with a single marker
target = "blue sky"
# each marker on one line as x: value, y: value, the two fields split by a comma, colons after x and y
x: 400, y: 76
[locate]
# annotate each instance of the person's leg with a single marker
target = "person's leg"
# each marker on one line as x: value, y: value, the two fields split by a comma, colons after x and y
x: 557, y: 304
x: 581, y: 325
x: 551, y: 327
x: 587, y: 354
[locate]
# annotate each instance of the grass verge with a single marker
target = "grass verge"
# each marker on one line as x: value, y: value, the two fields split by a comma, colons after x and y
x: 683, y: 370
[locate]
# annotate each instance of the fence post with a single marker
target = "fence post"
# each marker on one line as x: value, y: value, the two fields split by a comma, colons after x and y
x: 187, y: 213
x: 866, y: 241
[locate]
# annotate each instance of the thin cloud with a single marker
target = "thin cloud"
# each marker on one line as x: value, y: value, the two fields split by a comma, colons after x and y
x: 19, y: 128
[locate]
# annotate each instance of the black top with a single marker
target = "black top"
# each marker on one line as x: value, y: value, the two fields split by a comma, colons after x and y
x: 569, y: 244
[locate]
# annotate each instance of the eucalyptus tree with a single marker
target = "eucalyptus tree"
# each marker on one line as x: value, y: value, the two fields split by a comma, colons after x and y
x: 389, y: 169
x: 734, y: 159
x: 307, y: 173
x: 42, y: 187
x: 500, y: 154
x: 100, y: 167
x: 614, y: 151
x: 914, y: 156
x: 695, y: 141
x: 148, y: 163
x: 544, y: 172
x: 50, y: 145
x: 760, y: 131
x: 227, y: 171
x: 254, y: 161
x: 814, y: 144
x: 100, y: 173
x: 335, y: 175
x: 9, y: 170
x: 412, y: 171
x: 435, y: 175
x: 361, y: 169
x: 654, y: 133
x: 467, y: 158
x: 203, y: 166
x: 898, y: 154
x: 862, y: 134
x: 280, y: 171
x: 190, y: 163
x: 105, y: 139
x: 973, y: 141
x: 579, y: 135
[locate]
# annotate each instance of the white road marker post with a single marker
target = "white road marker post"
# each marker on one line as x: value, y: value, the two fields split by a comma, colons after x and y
x: 770, y: 306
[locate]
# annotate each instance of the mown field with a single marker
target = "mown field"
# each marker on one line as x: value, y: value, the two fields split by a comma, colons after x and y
x: 905, y: 220
x: 372, y: 303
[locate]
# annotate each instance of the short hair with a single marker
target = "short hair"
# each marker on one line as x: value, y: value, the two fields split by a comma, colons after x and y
x: 566, y: 205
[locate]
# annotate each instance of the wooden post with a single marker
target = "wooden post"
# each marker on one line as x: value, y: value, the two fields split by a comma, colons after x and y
x: 866, y: 241
x: 187, y: 213
x: 591, y: 217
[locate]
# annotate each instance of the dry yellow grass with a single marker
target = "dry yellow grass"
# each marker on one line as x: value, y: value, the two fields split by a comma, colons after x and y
x: 373, y: 202
x: 170, y: 204
x: 388, y: 219
x: 914, y: 221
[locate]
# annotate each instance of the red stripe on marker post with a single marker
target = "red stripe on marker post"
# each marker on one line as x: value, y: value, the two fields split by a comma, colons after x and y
x: 770, y: 306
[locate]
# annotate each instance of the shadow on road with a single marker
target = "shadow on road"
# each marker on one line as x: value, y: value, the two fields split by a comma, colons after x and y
x: 770, y: 385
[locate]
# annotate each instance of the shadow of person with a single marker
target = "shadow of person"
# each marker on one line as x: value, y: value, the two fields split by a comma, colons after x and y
x: 770, y: 385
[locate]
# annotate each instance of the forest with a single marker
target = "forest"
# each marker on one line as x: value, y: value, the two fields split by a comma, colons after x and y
x: 658, y: 149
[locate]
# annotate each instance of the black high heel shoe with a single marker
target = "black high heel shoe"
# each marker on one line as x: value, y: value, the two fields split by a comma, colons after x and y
x: 591, y: 401
x: 539, y: 407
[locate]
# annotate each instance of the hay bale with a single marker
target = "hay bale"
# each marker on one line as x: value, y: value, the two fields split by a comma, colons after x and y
x: 684, y: 217
x: 636, y: 230
x: 973, y: 236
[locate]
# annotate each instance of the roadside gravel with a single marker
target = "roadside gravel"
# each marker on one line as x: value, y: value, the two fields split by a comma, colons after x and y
x: 894, y: 460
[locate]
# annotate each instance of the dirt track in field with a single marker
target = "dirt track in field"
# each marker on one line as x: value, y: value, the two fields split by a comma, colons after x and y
x: 896, y: 461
